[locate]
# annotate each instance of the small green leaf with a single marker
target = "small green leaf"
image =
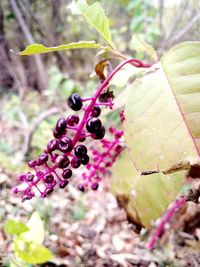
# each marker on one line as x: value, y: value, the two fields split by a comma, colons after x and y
x: 31, y: 252
x: 144, y: 197
x: 13, y: 227
x: 141, y: 46
x: 95, y: 15
x: 40, y: 48
x: 36, y: 232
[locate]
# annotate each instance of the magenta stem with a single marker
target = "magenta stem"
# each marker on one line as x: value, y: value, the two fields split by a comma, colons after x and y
x: 176, y: 205
x: 134, y: 61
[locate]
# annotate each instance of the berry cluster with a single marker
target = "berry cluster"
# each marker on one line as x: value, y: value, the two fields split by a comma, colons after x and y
x: 65, y: 152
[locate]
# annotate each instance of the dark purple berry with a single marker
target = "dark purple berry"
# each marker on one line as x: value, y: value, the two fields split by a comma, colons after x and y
x: 74, y: 102
x: 85, y: 160
x: 72, y: 120
x: 96, y: 111
x: 33, y: 163
x: 75, y: 163
x: 93, y: 125
x: 52, y: 145
x: 81, y: 188
x: 48, y: 178
x: 29, y: 177
x: 67, y: 174
x: 95, y: 186
x: 62, y: 161
x: 57, y: 134
x: 65, y: 144
x: 63, y: 184
x: 82, y: 137
x: 61, y: 125
x: 99, y: 134
x: 80, y: 151
x: 49, y: 190
x: 42, y: 159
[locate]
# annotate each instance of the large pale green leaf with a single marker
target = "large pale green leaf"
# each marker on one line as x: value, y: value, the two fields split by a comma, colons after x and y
x: 95, y: 15
x: 41, y: 49
x: 162, y: 126
x: 36, y: 232
x: 146, y: 197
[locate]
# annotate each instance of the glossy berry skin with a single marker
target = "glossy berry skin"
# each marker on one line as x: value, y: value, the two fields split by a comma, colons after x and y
x: 75, y: 163
x: 42, y: 159
x: 99, y: 134
x: 63, y: 184
x: 65, y: 144
x: 75, y: 102
x: 48, y: 178
x: 33, y: 163
x: 85, y: 160
x: 95, y: 186
x: 96, y: 111
x: 62, y: 161
x: 57, y: 134
x: 81, y: 188
x: 72, y: 120
x: 61, y: 125
x: 67, y: 174
x: 93, y: 125
x: 80, y: 151
x: 52, y: 145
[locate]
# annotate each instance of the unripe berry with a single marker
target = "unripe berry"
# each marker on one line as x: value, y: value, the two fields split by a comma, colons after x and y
x: 93, y: 125
x: 74, y: 102
x: 80, y: 151
x: 29, y: 177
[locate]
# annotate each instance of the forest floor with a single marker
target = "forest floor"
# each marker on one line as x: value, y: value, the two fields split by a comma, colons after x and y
x: 90, y: 230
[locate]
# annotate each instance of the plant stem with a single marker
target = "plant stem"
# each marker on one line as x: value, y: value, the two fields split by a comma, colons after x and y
x: 176, y: 205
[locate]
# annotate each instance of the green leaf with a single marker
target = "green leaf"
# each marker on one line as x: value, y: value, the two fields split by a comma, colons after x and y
x: 141, y: 46
x: 162, y: 126
x: 36, y: 232
x: 13, y: 227
x: 32, y: 253
x: 40, y: 48
x: 145, y: 198
x: 95, y: 15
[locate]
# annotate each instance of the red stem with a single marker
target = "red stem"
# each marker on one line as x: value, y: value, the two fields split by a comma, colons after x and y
x: 176, y: 205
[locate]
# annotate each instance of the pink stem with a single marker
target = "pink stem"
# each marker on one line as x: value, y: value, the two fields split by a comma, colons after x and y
x: 176, y: 205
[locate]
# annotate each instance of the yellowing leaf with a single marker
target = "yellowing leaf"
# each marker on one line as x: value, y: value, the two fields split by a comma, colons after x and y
x: 141, y: 46
x: 162, y: 126
x: 144, y: 197
x: 13, y: 227
x: 36, y: 232
x: 95, y: 15
x: 41, y: 49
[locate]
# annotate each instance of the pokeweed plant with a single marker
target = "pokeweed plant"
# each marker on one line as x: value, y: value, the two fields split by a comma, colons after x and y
x: 160, y: 125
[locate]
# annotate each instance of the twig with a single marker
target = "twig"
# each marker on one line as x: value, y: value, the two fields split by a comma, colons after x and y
x: 176, y: 205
